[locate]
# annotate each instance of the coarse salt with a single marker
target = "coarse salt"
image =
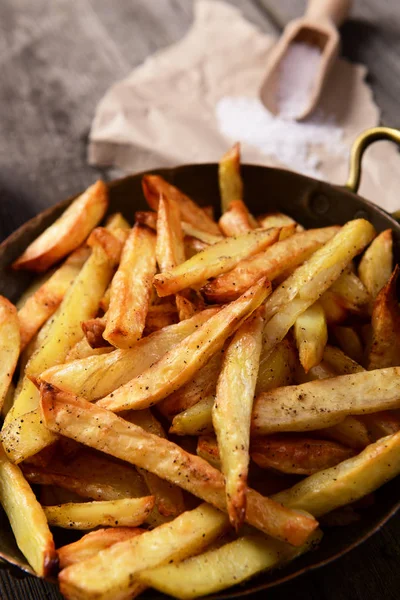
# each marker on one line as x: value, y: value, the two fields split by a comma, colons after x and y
x: 297, y: 75
x: 293, y: 144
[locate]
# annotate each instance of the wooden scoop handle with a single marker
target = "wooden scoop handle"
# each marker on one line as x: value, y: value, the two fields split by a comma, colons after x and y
x: 335, y: 11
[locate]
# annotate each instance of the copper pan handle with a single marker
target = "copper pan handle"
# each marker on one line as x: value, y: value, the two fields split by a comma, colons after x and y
x: 361, y: 143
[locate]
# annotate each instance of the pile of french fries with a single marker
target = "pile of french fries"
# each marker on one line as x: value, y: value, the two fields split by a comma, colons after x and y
x: 197, y: 396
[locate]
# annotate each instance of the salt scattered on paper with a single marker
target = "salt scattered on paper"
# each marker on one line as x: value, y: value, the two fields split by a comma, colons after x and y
x: 297, y: 75
x: 245, y: 119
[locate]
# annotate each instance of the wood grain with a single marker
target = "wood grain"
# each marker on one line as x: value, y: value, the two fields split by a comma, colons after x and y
x: 57, y: 59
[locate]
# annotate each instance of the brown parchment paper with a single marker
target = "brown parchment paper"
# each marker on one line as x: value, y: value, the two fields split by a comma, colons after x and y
x: 163, y: 113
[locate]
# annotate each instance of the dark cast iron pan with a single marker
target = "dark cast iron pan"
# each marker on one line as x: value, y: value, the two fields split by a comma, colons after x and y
x: 312, y: 203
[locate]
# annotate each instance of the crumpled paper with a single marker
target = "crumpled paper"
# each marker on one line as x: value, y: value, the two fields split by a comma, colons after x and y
x: 163, y: 113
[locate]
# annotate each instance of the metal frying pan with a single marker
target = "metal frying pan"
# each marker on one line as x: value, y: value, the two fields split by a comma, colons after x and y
x: 312, y: 203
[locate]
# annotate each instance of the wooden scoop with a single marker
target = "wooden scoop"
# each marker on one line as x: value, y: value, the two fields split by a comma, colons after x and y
x: 318, y: 28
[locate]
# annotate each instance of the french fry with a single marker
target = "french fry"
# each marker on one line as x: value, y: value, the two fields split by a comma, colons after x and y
x: 202, y: 236
x: 384, y: 350
x: 130, y: 289
x: 97, y: 376
x: 40, y: 305
x: 170, y: 250
x: 333, y: 306
x: 270, y: 263
x: 298, y: 455
x: 154, y: 185
x: 230, y: 181
x: 382, y: 424
x: 342, y: 364
x: 375, y: 266
x: 82, y: 349
x: 157, y: 320
x: 126, y: 512
x: 27, y: 518
x: 352, y: 292
x: 90, y: 475
x: 8, y: 401
x: 236, y: 219
x: 93, y: 330
x: 117, y: 221
x: 68, y: 232
x: 149, y: 218
x: 196, y: 420
x: 278, y: 219
x: 203, y: 384
x: 348, y: 481
x: 213, y: 261
x: 311, y: 334
x: 231, y: 412
x: 320, y: 371
x: 9, y: 345
x: 189, y: 533
x: 349, y: 341
x: 64, y: 330
x: 105, y: 301
x: 92, y: 543
x: 223, y: 567
x: 277, y: 367
x: 207, y: 448
x: 85, y: 422
x: 319, y: 404
x: 309, y: 281
x: 168, y: 497
x: 181, y: 363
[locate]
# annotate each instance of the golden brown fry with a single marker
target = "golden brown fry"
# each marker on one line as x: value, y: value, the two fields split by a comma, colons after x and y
x: 203, y: 384
x: 97, y: 376
x: 90, y: 475
x: 278, y: 219
x: 342, y: 364
x: 92, y: 543
x: 230, y: 181
x: 45, y: 300
x: 190, y: 230
x: 236, y: 220
x: 223, y: 567
x: 27, y: 518
x: 130, y: 289
x: 323, y: 403
x: 231, y: 413
x: 333, y: 306
x: 93, y: 330
x: 282, y: 255
x: 382, y: 423
x: 352, y: 292
x: 189, y: 533
x: 87, y: 423
x: 309, y: 281
x: 311, y: 334
x: 170, y: 250
x: 213, y: 261
x: 117, y: 221
x: 277, y: 367
x: 348, y: 481
x: 180, y: 364
x: 384, y: 350
x: 83, y: 349
x: 105, y: 301
x: 125, y: 512
x: 298, y: 455
x: 375, y: 266
x: 158, y: 319
x: 68, y: 232
x: 168, y: 497
x: 196, y: 420
x: 9, y: 345
x: 207, y: 448
x: 349, y: 341
x: 154, y: 185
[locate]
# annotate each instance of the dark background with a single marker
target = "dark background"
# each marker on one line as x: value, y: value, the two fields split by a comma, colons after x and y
x: 57, y: 58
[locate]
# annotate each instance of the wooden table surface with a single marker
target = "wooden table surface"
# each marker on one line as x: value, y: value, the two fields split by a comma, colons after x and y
x: 57, y: 59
